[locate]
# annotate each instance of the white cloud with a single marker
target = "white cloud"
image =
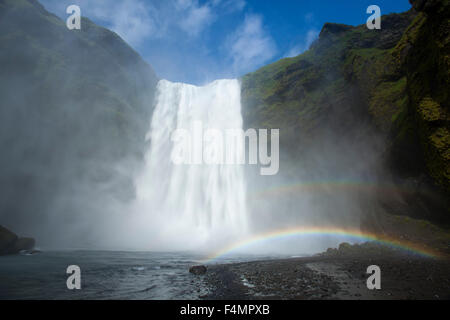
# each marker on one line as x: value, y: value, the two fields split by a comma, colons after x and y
x: 194, y: 18
x: 230, y: 6
x: 133, y: 20
x: 139, y: 20
x: 250, y: 46
x: 311, y: 35
x: 175, y: 27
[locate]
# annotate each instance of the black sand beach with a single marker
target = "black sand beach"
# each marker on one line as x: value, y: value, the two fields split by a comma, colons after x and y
x: 338, y: 276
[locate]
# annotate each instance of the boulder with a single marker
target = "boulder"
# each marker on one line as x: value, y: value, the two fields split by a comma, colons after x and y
x: 197, y: 270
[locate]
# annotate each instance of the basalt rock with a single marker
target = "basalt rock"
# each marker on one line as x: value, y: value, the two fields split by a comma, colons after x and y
x: 197, y: 270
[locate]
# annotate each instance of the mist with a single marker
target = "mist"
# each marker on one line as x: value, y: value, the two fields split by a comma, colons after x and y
x: 75, y: 109
x: 79, y: 133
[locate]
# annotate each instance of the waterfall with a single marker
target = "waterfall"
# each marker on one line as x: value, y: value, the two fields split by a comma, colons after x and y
x: 202, y: 201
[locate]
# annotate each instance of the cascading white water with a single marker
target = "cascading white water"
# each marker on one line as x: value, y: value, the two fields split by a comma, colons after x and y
x: 201, y: 202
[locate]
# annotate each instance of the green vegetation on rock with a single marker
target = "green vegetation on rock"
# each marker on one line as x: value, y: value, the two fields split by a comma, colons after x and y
x: 395, y: 80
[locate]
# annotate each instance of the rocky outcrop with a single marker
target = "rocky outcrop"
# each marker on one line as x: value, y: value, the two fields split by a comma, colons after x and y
x: 10, y: 243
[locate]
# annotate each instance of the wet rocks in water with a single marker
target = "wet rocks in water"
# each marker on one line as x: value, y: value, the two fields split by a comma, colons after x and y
x: 197, y: 270
x: 10, y: 243
x: 29, y: 252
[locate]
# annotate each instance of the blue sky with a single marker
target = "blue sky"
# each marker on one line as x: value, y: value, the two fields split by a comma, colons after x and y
x: 198, y: 41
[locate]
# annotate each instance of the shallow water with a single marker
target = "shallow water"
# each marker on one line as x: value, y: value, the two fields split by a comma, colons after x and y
x: 104, y: 275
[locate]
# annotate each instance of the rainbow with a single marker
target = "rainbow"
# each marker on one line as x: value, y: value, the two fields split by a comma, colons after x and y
x: 326, y: 231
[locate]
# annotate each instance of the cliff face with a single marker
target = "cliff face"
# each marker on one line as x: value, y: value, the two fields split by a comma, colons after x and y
x: 75, y: 107
x: 330, y: 85
x: 355, y: 88
x: 427, y: 67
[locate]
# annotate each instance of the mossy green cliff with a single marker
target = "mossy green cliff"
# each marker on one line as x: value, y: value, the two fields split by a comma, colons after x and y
x: 394, y: 81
